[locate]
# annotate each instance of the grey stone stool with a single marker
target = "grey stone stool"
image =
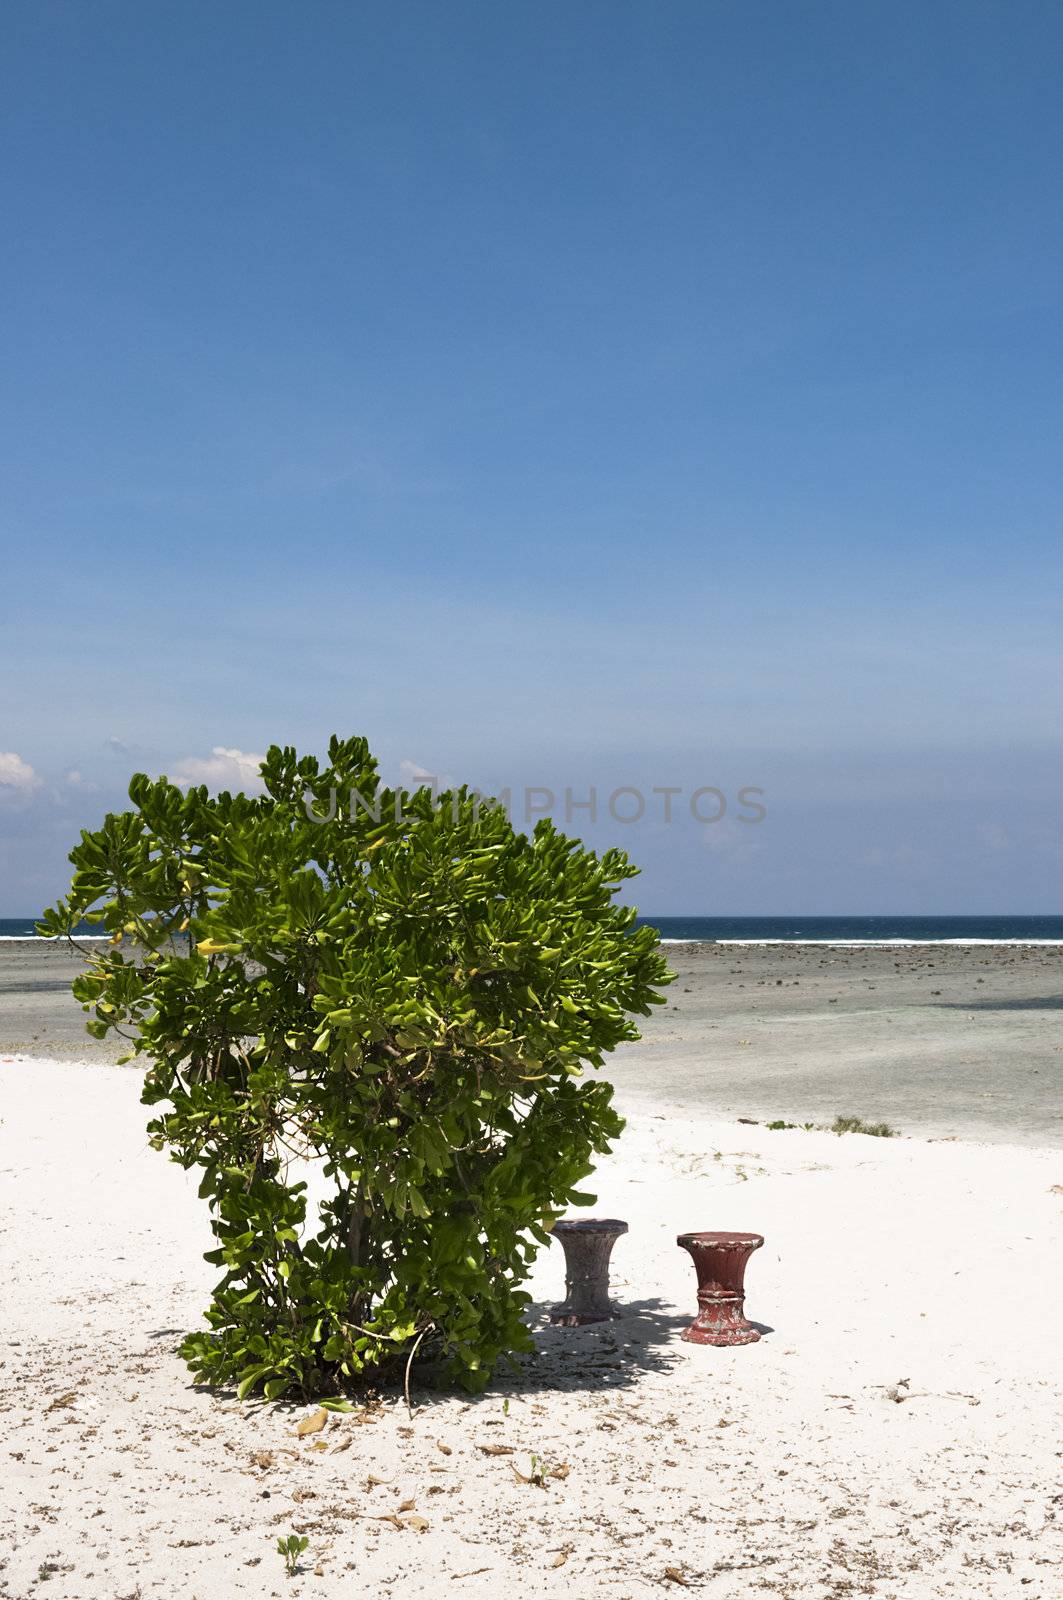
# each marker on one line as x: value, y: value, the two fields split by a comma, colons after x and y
x: 587, y: 1246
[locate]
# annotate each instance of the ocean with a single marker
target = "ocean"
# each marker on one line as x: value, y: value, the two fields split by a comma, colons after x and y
x: 790, y: 930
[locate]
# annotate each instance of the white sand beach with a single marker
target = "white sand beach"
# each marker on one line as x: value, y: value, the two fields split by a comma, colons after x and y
x: 897, y: 1434
x: 531, y: 537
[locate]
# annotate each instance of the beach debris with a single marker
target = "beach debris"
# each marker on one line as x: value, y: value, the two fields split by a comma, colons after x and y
x: 720, y: 1262
x: 401, y: 1523
x: 444, y: 1448
x: 561, y: 1556
x: 475, y: 1573
x: 496, y: 1449
x: 588, y: 1244
x: 63, y: 1400
x: 1057, y: 1188
x: 312, y: 1424
x: 900, y: 1391
x: 675, y: 1575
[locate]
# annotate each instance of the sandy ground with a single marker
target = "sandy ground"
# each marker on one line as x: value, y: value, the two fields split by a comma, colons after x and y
x: 937, y: 1040
x: 896, y: 1434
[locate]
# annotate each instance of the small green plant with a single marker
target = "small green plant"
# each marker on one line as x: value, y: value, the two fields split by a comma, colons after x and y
x: 775, y: 1126
x: 877, y: 1130
x: 397, y: 995
x: 291, y: 1549
x: 540, y: 1472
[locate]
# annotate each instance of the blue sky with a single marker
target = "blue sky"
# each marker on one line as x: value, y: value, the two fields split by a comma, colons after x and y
x: 568, y: 394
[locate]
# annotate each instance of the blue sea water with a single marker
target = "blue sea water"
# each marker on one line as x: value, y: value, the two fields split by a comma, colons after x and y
x: 862, y: 930
x: 791, y: 930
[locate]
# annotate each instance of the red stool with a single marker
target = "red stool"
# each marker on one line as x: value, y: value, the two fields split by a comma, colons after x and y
x: 720, y: 1262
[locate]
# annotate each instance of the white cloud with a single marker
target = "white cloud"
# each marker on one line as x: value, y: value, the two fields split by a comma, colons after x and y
x: 222, y: 769
x: 16, y: 775
x: 412, y: 776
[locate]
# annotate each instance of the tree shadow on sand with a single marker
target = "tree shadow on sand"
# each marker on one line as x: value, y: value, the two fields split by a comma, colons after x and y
x: 598, y: 1358
x: 601, y: 1355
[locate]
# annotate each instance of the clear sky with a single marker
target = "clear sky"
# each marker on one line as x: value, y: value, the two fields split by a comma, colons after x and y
x: 585, y: 393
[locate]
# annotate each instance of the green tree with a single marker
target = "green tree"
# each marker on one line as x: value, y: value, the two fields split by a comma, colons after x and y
x: 392, y: 1001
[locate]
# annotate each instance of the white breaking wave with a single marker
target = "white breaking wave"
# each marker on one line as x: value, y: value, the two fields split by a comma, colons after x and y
x: 870, y: 943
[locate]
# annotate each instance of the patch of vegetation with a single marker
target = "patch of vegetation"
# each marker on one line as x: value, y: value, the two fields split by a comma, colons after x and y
x: 877, y: 1130
x: 291, y: 1549
x: 395, y: 993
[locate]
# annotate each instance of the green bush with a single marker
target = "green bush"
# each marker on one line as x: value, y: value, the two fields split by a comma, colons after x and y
x: 395, y: 999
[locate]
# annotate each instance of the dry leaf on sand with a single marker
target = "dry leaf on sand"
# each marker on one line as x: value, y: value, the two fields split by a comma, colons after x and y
x: 496, y: 1449
x: 63, y: 1400
x: 312, y: 1424
x: 418, y: 1524
x: 445, y: 1448
x: 673, y: 1575
x: 408, y: 1505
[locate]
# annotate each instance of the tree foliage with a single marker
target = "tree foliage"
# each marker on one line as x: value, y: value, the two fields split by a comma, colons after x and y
x: 373, y: 1043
